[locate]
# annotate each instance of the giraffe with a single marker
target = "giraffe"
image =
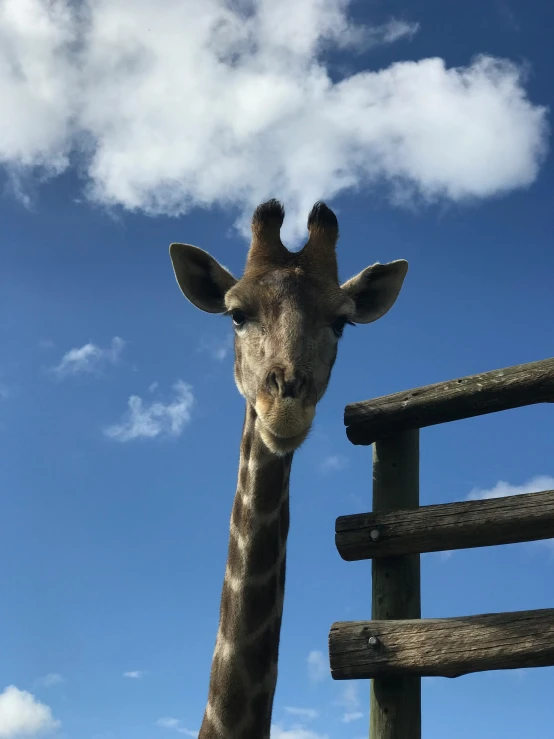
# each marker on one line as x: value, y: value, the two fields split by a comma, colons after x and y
x: 289, y: 312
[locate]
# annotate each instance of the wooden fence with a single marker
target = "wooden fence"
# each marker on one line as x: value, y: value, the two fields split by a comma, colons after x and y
x: 397, y: 646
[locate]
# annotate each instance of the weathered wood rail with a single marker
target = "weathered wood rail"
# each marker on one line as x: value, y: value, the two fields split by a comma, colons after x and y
x: 435, y: 528
x: 397, y: 647
x: 465, y: 397
x: 445, y: 647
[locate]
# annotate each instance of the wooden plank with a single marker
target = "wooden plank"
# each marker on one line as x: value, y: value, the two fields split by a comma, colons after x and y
x: 512, y: 387
x: 435, y: 528
x: 446, y: 647
x: 395, y: 704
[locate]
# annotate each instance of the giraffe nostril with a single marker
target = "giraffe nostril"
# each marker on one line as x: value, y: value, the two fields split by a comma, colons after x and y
x: 275, y: 381
x: 294, y: 386
x: 301, y: 383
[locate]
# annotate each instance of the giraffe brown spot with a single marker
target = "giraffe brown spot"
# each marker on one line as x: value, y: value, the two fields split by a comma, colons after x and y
x: 243, y: 477
x: 268, y: 486
x: 259, y: 603
x: 228, y: 696
x: 260, y: 656
x: 282, y: 575
x: 286, y: 476
x: 265, y: 550
x: 284, y: 521
x: 228, y: 611
x: 237, y: 512
x: 261, y: 711
x: 246, y: 446
x: 215, y: 674
x: 256, y: 731
x: 234, y: 557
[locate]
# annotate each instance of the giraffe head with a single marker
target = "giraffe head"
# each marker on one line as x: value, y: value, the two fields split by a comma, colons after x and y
x: 288, y: 311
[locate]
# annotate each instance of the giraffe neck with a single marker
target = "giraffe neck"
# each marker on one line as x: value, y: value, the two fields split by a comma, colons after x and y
x: 244, y: 667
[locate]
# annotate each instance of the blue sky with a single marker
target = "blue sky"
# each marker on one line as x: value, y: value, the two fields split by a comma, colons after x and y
x: 119, y: 419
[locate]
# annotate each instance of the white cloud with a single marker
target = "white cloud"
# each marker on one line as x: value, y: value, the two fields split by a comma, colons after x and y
x: 176, y: 725
x: 89, y: 358
x: 334, y: 462
x: 318, y: 666
x: 149, y: 420
x: 175, y: 105
x: 350, y: 701
x: 502, y: 489
x: 134, y: 674
x: 168, y: 723
x: 217, y: 348
x: 21, y: 715
x: 307, y: 713
x: 395, y: 30
x: 352, y: 716
x: 278, y: 732
x: 350, y: 697
x: 53, y: 678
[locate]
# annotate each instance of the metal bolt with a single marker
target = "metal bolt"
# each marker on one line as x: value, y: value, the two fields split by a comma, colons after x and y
x: 373, y: 641
x: 374, y: 534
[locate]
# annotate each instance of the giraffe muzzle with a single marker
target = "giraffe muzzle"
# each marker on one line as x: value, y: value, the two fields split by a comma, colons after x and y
x: 286, y: 403
x: 287, y: 385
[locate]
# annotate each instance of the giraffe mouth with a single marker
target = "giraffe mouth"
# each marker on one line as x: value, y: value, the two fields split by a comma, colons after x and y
x: 284, y: 422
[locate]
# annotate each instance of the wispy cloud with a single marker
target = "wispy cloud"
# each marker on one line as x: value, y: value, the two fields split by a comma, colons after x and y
x: 318, y: 666
x: 297, y: 732
x: 353, y: 716
x: 306, y: 713
x: 21, y: 714
x: 134, y: 674
x: 148, y: 420
x: 508, y: 15
x: 258, y: 111
x: 4, y: 391
x: 394, y: 30
x: 218, y: 349
x: 502, y: 489
x: 175, y: 724
x: 53, y: 678
x: 349, y: 698
x: 350, y: 702
x: 89, y: 359
x: 334, y: 462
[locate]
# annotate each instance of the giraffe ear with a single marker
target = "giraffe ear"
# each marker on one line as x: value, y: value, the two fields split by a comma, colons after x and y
x: 375, y: 289
x: 201, y: 278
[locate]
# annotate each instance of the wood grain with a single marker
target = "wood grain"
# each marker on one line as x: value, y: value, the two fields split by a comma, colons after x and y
x: 395, y: 704
x: 447, y: 647
x: 435, y: 528
x: 512, y: 387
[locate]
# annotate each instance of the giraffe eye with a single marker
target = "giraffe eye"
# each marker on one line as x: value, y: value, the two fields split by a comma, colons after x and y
x: 239, y: 319
x: 339, y: 324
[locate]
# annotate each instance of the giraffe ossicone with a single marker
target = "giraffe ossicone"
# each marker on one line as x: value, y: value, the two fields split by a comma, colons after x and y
x: 289, y: 312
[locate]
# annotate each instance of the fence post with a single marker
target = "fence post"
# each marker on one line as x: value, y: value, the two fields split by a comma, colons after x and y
x: 395, y: 703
